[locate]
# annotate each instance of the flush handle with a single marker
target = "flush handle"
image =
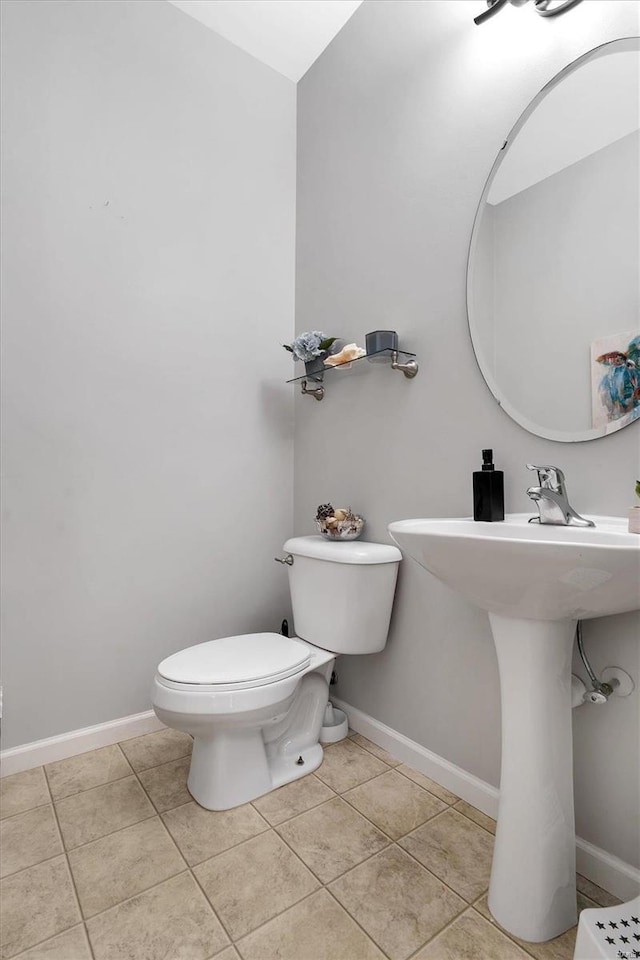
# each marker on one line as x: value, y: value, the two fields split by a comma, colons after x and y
x: 288, y: 560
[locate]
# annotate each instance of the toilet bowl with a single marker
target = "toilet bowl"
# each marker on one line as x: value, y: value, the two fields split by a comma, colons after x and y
x: 255, y: 703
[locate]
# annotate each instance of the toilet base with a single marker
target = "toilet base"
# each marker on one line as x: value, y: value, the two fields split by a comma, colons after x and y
x: 239, y: 757
x: 244, y: 779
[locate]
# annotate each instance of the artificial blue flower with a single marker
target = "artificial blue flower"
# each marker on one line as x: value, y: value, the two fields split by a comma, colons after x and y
x: 307, y: 345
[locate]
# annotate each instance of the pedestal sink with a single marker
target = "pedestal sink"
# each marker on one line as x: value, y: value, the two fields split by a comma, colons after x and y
x: 535, y: 582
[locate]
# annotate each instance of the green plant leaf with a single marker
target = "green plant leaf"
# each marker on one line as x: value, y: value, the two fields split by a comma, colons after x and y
x: 287, y: 347
x: 637, y: 488
x: 325, y: 344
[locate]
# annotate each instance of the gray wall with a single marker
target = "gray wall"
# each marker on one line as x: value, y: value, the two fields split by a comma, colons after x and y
x: 149, y: 177
x: 399, y: 123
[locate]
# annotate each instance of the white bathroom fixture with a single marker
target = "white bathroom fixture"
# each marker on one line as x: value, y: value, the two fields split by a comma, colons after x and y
x: 255, y: 704
x: 536, y: 582
x: 605, y: 933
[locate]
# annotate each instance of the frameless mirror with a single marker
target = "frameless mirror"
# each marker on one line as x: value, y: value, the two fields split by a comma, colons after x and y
x: 553, y: 281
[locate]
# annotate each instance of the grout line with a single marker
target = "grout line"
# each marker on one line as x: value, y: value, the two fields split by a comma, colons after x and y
x: 215, y: 912
x: 494, y: 923
x: 96, y: 786
x: 28, y: 809
x: 111, y: 833
x: 377, y: 825
x: 139, y: 893
x: 442, y: 930
x: 357, y: 923
x: 299, y: 814
x: 327, y: 882
x: 78, y: 923
x: 66, y: 857
x: 439, y: 879
x: 401, y: 772
x: 275, y: 916
x: 10, y: 876
x: 454, y: 807
x: 154, y: 766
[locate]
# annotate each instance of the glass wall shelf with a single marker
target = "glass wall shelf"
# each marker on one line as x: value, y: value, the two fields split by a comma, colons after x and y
x: 400, y: 360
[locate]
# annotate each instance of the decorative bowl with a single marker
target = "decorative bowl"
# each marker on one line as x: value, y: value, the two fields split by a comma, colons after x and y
x: 343, y: 529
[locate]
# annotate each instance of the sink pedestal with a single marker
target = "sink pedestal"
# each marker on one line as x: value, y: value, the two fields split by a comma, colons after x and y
x: 533, y: 879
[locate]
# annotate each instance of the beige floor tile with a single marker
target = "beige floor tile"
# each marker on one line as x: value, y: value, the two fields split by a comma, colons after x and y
x: 23, y: 791
x: 394, y: 803
x: 28, y: 838
x: 156, y: 748
x: 456, y: 850
x: 229, y: 954
x: 166, y: 785
x: 123, y: 864
x: 294, y: 798
x: 94, y: 813
x: 332, y: 838
x: 399, y: 903
x: 346, y: 765
x: 173, y: 921
x: 591, y: 890
x: 373, y: 748
x: 70, y: 945
x: 471, y: 937
x: 560, y: 948
x: 202, y: 834
x: 440, y: 792
x: 253, y: 882
x: 476, y: 815
x: 37, y: 903
x: 87, y: 770
x: 316, y: 929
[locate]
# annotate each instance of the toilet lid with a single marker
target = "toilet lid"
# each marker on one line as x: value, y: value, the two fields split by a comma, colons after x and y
x: 248, y: 660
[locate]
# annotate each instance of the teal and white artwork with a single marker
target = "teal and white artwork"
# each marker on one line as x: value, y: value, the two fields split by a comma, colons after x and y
x: 615, y: 380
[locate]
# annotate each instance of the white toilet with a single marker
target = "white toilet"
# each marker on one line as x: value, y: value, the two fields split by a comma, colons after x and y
x: 255, y: 703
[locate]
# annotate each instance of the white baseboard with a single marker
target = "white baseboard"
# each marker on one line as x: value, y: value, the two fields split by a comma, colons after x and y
x: 30, y: 755
x: 465, y: 785
x: 609, y: 872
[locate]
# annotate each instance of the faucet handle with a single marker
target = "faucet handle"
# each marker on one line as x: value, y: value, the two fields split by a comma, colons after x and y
x: 549, y: 477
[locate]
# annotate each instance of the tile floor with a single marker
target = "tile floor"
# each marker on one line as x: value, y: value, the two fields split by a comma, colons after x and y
x: 106, y: 856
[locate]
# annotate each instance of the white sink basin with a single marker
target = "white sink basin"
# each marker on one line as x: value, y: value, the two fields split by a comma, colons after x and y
x: 521, y: 569
x: 535, y: 582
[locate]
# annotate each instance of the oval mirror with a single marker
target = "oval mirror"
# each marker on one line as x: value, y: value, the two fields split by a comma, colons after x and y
x: 553, y: 281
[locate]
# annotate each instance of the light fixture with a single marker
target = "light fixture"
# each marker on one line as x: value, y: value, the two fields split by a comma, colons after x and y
x: 546, y: 8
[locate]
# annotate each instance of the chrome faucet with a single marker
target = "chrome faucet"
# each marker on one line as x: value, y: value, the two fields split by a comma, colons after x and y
x: 550, y: 497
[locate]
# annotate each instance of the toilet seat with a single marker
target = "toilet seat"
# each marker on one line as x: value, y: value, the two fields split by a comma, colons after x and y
x: 235, y: 663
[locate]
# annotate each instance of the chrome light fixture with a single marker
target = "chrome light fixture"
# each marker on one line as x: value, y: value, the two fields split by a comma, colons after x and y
x: 546, y: 8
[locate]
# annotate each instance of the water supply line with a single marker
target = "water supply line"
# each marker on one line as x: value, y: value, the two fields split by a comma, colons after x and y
x: 614, y: 680
x: 600, y: 691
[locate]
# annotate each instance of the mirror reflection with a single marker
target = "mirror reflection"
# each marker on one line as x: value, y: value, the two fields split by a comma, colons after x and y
x: 554, y: 267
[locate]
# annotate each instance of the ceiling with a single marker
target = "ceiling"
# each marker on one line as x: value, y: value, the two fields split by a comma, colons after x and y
x: 288, y: 35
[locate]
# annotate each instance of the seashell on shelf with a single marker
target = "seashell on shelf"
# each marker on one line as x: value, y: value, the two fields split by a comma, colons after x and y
x: 343, y: 359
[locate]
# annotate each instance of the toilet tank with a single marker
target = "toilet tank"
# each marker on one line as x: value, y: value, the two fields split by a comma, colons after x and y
x: 342, y: 592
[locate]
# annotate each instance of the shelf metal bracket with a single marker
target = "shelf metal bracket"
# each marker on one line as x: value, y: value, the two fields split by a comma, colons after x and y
x: 410, y: 368
x: 317, y: 392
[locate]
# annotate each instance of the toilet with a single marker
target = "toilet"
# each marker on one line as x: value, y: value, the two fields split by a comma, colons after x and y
x: 255, y: 703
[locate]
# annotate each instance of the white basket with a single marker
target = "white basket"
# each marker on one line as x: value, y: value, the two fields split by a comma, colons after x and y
x: 338, y: 729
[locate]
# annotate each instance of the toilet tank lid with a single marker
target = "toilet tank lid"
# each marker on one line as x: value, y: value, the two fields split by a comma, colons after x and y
x: 342, y: 551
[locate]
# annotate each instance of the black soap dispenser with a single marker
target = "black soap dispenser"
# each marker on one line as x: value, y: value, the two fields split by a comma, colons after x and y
x: 488, y: 490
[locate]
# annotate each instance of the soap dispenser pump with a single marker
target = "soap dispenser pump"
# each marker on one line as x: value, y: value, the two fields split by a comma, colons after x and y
x: 488, y: 490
